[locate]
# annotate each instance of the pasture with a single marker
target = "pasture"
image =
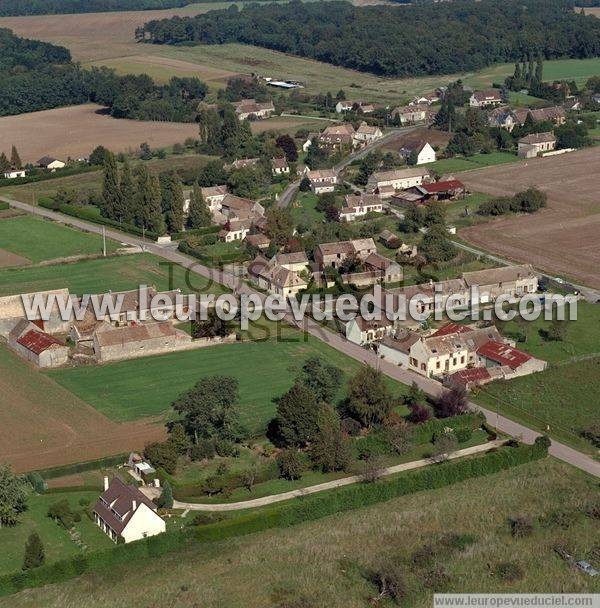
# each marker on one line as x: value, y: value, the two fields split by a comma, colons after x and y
x: 116, y: 273
x: 468, y: 163
x: 74, y: 131
x: 265, y: 369
x: 44, y: 425
x: 37, y: 239
x: 287, y: 567
x: 561, y: 239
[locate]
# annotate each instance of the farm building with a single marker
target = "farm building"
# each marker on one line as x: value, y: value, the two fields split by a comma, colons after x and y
x: 214, y: 196
x: 335, y: 137
x: 250, y: 109
x: 361, y: 331
x: 322, y: 180
x: 36, y: 346
x: 485, y: 99
x: 334, y: 254
x: 235, y: 230
x: 274, y: 278
x: 387, y: 182
x: 366, y: 134
x: 14, y: 173
x: 123, y: 512
x: 410, y: 115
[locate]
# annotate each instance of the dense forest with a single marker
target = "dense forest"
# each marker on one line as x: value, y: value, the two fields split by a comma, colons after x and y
x: 435, y: 38
x: 39, y: 76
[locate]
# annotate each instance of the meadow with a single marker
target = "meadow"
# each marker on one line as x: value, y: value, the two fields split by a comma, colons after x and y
x: 467, y: 163
x: 116, y: 273
x: 265, y: 369
x: 287, y: 567
x: 37, y: 239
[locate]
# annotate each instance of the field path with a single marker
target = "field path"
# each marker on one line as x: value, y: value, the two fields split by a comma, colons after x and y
x: 330, y: 485
x: 335, y: 340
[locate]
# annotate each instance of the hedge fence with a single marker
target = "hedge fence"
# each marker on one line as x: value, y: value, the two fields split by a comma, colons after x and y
x: 301, y: 510
x: 81, y: 467
x: 226, y: 258
x: 89, y: 215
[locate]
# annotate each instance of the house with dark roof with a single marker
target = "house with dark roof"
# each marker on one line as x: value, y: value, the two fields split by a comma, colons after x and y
x: 52, y: 164
x: 124, y: 514
x: 484, y: 99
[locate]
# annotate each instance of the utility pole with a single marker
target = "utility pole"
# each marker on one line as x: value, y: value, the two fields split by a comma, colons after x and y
x: 103, y: 241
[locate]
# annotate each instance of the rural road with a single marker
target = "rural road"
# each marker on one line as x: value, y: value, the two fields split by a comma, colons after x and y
x: 287, y: 195
x: 328, y: 485
x: 335, y: 340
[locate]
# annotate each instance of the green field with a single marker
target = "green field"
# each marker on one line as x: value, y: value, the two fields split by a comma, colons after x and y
x: 327, y: 562
x: 37, y: 239
x: 466, y: 163
x: 57, y: 542
x: 303, y: 209
x: 117, y: 273
x: 145, y: 387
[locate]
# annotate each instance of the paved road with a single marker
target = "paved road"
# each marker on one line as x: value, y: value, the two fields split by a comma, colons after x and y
x: 287, y: 195
x: 328, y: 485
x: 335, y: 340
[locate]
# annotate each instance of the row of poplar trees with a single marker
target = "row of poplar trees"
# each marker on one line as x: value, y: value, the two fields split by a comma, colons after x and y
x: 13, y: 163
x: 153, y: 203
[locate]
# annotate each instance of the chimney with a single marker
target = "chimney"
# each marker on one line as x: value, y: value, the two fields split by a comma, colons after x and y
x: 134, y: 506
x: 105, y: 483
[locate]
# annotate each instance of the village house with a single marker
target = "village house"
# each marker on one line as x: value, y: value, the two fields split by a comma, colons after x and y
x: 553, y: 114
x: 425, y: 99
x: 512, y: 281
x: 322, y: 180
x: 336, y: 137
x: 572, y: 105
x: 495, y: 354
x: 334, y: 254
x: 260, y: 241
x: 436, y: 191
x: 274, y: 278
x: 237, y: 208
x: 12, y: 311
x: 250, y: 109
x: 360, y: 107
x: 235, y: 230
x: 14, y: 173
x: 411, y: 115
x: 485, y: 99
x: 502, y: 117
x: 358, y: 206
x: 52, y: 164
x: 423, y: 152
x: 213, y: 196
x: 366, y: 134
x: 387, y: 270
x: 116, y: 343
x: 296, y: 261
x: 35, y: 345
x: 535, y: 144
x: 385, y: 183
x: 124, y: 513
x: 279, y: 166
x: 361, y: 331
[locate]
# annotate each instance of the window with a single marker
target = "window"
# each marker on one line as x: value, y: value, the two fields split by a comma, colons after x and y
x: 437, y: 364
x: 462, y: 359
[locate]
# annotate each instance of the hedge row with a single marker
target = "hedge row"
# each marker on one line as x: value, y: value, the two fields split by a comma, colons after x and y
x: 176, y: 236
x: 81, y: 467
x: 107, y: 559
x: 316, y: 506
x: 84, y: 213
x: 4, y: 206
x: 425, y: 432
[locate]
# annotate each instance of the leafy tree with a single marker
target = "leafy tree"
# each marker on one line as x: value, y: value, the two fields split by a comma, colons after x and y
x: 4, y: 162
x: 97, y: 155
x: 199, y: 213
x: 175, y: 213
x: 288, y: 146
x: 369, y: 399
x: 290, y: 464
x: 435, y: 213
x: 330, y: 450
x: 279, y: 225
x: 414, y: 218
x: 61, y: 513
x: 452, y: 402
x: 419, y: 413
x: 165, y: 500
x: 435, y: 245
x: 304, y: 185
x: 322, y: 378
x: 413, y: 158
x: 128, y: 192
x: 34, y: 552
x: 162, y: 455
x: 209, y: 410
x: 297, y: 415
x: 13, y: 496
x: 444, y: 445
x: 179, y: 439
x: 212, y: 327
x: 15, y: 159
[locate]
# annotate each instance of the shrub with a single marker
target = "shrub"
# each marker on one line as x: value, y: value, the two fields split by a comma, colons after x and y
x: 372, y: 445
x: 204, y: 449
x: 290, y: 464
x: 162, y: 454
x: 521, y: 526
x: 592, y: 433
x: 389, y: 578
x: 351, y: 427
x: 61, y: 512
x: 224, y: 447
x: 463, y: 435
x: 420, y: 413
x: 509, y: 571
x: 37, y: 482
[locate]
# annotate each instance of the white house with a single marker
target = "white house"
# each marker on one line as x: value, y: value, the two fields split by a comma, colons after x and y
x: 357, y: 206
x: 322, y: 180
x: 425, y: 153
x: 279, y: 166
x: 213, y: 196
x: 235, y: 230
x: 484, y: 99
x: 387, y: 182
x: 123, y: 512
x: 535, y: 144
x: 52, y: 164
x: 360, y: 331
x: 366, y: 134
x: 14, y: 173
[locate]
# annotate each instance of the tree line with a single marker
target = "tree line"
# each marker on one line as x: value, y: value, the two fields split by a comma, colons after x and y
x: 38, y: 76
x: 423, y: 39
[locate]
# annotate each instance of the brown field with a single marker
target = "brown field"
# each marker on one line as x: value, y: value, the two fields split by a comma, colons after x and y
x: 562, y: 239
x: 433, y: 136
x: 44, y: 425
x: 591, y: 10
x: 75, y: 131
x: 9, y: 259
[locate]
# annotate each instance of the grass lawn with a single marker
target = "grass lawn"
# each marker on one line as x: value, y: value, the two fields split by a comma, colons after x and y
x: 477, y: 161
x: 515, y: 98
x: 115, y: 273
x: 146, y: 387
x: 57, y: 542
x: 455, y: 210
x: 37, y: 239
x: 326, y: 562
x: 304, y: 211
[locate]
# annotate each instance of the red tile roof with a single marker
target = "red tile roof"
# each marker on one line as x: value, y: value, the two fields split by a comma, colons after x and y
x: 452, y: 184
x: 474, y: 374
x: 37, y: 342
x: 452, y: 328
x: 503, y: 354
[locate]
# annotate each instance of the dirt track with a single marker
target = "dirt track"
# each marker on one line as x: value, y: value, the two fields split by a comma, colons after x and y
x: 563, y: 239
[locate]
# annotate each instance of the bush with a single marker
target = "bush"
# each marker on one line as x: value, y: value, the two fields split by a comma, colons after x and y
x: 509, y: 572
x: 162, y: 455
x: 61, y: 512
x: 521, y: 526
x: 290, y: 464
x: 224, y: 447
x: 463, y: 435
x: 592, y: 433
x: 204, y: 449
x: 37, y: 482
